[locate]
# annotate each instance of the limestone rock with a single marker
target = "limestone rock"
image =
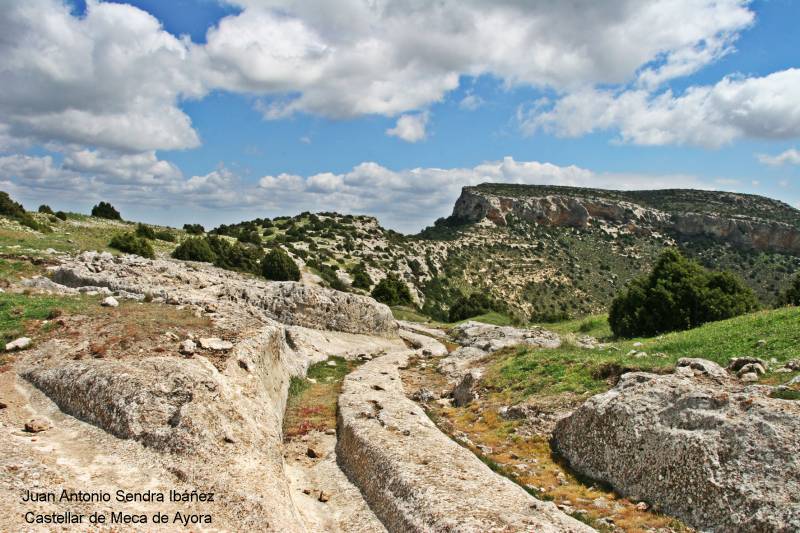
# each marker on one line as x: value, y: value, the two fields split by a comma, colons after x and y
x: 18, y: 344
x: 109, y: 301
x: 703, y: 366
x: 417, y: 479
x: 464, y: 392
x: 36, y: 425
x: 719, y: 455
x: 201, y: 285
x: 736, y: 364
x: 187, y: 347
x: 215, y: 344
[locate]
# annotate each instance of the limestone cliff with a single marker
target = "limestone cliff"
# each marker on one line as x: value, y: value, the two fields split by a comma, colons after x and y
x: 581, y: 208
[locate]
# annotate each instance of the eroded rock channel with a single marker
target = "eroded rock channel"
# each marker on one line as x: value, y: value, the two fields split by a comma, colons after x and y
x: 199, y: 406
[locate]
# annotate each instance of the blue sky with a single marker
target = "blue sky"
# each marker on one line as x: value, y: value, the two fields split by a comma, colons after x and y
x: 212, y: 111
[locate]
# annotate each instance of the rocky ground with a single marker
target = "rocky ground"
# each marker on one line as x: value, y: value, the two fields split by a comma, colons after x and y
x: 307, y: 409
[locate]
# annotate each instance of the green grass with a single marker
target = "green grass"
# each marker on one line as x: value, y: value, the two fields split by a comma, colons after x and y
x: 412, y: 315
x: 18, y: 310
x: 594, y: 325
x: 78, y: 233
x: 522, y: 372
x: 14, y: 270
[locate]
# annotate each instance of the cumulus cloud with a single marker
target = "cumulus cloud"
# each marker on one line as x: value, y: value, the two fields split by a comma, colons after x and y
x: 410, y: 199
x: 410, y: 128
x: 406, y: 200
x: 114, y: 78
x: 711, y: 116
x: 788, y: 157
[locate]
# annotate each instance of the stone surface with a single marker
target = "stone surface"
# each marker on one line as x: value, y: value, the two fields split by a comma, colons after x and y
x: 206, y: 287
x: 464, y: 392
x: 703, y: 366
x: 36, y: 425
x: 417, y: 479
x: 478, y: 340
x: 187, y: 347
x: 109, y: 301
x: 713, y: 452
x: 215, y: 344
x: 18, y: 344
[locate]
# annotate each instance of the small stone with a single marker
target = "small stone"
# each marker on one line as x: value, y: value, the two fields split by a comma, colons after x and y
x: 187, y: 347
x: 216, y: 344
x: 749, y: 377
x: 18, y: 344
x: 642, y: 506
x: 109, y: 301
x: 312, y: 453
x: 330, y: 431
x: 637, y: 344
x: 323, y: 497
x: 331, y: 363
x: 171, y: 336
x: 761, y: 343
x: 306, y: 491
x: 36, y: 425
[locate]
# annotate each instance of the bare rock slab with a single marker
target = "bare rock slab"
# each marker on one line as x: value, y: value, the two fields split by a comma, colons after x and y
x: 720, y: 455
x: 414, y: 477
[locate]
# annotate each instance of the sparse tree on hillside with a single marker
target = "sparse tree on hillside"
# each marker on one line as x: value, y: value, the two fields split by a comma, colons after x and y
x: 678, y: 294
x: 106, y: 210
x: 278, y: 266
x: 791, y: 296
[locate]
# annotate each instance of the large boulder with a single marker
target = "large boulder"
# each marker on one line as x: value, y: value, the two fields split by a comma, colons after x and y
x: 720, y: 455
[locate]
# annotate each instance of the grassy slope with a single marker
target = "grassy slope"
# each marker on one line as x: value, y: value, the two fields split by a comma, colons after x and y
x: 522, y: 372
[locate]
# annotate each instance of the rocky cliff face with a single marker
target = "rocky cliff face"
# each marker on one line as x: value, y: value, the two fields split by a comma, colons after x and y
x: 580, y: 210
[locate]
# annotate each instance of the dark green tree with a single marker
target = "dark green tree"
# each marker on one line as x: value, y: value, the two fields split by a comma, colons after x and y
x: 44, y: 208
x: 392, y: 291
x: 194, y: 249
x: 106, y: 210
x: 678, y: 294
x: 278, y: 266
x: 145, y: 231
x: 791, y: 296
x: 194, y: 229
x: 132, y: 244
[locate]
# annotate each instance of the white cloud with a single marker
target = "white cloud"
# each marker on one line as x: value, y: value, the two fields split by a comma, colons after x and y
x: 112, y: 78
x: 115, y: 78
x: 406, y: 200
x: 471, y: 102
x: 410, y: 199
x: 758, y: 107
x: 410, y: 128
x: 788, y: 157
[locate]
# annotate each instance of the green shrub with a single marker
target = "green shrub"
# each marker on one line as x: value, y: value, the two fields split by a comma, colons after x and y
x: 250, y: 237
x: 475, y: 304
x: 132, y: 244
x: 145, y: 231
x: 392, y: 291
x: 194, y: 249
x: 235, y: 256
x: 14, y: 210
x: 361, y: 279
x: 678, y: 294
x: 791, y: 296
x: 106, y: 210
x: 61, y: 214
x: 194, y: 229
x: 45, y: 209
x: 278, y: 266
x: 165, y: 235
